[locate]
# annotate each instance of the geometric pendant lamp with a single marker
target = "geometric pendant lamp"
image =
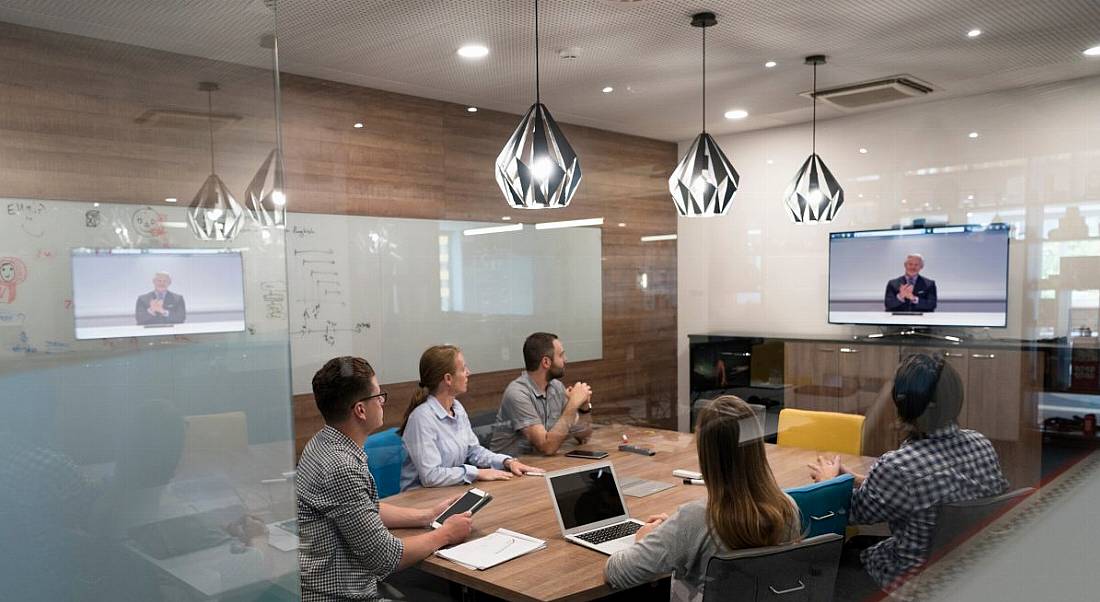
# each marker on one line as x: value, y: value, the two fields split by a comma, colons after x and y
x: 214, y: 214
x: 704, y: 182
x: 264, y: 197
x: 537, y: 168
x: 814, y: 195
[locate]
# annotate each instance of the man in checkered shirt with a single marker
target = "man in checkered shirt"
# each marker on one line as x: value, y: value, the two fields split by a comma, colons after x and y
x: 346, y: 546
x: 938, y: 463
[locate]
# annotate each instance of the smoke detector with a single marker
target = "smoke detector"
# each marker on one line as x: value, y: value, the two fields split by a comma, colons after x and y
x: 570, y: 53
x: 875, y: 92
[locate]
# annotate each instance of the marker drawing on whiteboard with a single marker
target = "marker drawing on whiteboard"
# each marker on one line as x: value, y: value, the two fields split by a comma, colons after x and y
x: 12, y: 273
x: 148, y: 222
x: 32, y: 216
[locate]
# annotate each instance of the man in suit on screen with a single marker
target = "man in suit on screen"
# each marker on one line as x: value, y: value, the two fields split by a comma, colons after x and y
x: 911, y: 291
x: 160, y: 306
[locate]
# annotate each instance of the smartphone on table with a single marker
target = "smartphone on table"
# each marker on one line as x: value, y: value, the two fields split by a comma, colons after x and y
x: 588, y: 454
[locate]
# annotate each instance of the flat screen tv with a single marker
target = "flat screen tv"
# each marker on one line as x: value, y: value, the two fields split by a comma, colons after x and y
x: 933, y: 276
x: 156, y: 292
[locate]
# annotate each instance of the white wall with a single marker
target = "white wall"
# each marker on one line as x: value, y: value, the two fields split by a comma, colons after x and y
x: 753, y: 271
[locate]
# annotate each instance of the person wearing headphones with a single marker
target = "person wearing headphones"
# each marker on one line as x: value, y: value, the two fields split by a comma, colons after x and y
x: 937, y: 463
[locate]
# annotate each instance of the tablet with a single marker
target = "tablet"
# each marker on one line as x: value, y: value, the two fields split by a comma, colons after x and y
x: 588, y: 454
x: 472, y: 501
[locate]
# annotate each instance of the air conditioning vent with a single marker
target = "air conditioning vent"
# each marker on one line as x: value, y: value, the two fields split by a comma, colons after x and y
x: 880, y: 91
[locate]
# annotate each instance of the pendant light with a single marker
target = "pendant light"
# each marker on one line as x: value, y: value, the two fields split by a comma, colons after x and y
x: 704, y: 182
x: 814, y: 195
x: 265, y: 197
x: 538, y: 169
x: 214, y: 214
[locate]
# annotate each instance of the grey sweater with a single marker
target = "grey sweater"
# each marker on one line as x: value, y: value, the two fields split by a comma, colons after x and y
x: 682, y: 546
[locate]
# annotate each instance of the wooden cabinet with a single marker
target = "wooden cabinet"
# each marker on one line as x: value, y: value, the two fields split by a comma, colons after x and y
x: 837, y: 377
x: 865, y: 370
x: 813, y: 370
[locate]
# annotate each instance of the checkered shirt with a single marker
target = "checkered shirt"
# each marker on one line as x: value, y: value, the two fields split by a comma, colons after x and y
x: 904, y: 487
x: 345, y: 549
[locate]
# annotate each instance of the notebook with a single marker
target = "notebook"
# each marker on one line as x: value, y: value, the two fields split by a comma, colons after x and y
x: 491, y: 550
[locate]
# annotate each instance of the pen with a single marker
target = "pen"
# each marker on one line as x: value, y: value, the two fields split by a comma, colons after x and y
x: 694, y: 482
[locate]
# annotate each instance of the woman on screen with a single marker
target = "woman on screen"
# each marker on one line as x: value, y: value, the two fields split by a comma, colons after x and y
x: 440, y: 445
x: 744, y: 508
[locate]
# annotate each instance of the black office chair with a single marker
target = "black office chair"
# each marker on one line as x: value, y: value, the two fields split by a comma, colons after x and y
x: 482, y: 423
x: 956, y: 521
x: 799, y: 572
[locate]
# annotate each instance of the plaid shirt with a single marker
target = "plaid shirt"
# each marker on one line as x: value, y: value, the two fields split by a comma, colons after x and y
x: 904, y: 487
x: 345, y: 549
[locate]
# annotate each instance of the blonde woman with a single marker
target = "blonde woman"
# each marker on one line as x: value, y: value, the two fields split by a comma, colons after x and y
x: 744, y: 508
x: 440, y: 444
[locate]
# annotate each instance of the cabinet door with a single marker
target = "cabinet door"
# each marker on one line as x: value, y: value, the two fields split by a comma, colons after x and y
x: 994, y: 393
x: 864, y: 371
x: 813, y: 371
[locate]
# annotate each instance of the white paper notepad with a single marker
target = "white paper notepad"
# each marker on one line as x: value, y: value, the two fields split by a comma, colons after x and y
x: 491, y: 550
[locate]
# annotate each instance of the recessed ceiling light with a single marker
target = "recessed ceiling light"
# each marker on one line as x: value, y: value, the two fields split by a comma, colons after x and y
x: 770, y: 161
x: 507, y: 218
x: 170, y: 199
x: 95, y: 204
x: 622, y: 224
x: 863, y: 151
x: 1094, y: 51
x: 357, y: 125
x: 473, y: 51
x: 903, y: 201
x: 972, y: 135
x: 471, y: 109
x: 973, y: 33
x: 770, y: 64
x: 607, y: 90
x: 970, y: 197
x: 737, y: 114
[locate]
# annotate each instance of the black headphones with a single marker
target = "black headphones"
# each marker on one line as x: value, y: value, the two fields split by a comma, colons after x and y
x: 918, y: 397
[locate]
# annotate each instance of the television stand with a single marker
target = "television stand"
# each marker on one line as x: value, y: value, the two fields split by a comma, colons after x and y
x: 906, y: 333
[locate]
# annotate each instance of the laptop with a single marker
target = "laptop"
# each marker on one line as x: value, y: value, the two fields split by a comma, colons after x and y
x: 590, y: 509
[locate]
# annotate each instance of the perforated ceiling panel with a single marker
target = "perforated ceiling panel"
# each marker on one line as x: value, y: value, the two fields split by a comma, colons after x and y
x: 645, y: 49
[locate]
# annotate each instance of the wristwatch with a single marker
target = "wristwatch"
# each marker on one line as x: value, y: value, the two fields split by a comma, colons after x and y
x: 506, y: 462
x: 585, y: 408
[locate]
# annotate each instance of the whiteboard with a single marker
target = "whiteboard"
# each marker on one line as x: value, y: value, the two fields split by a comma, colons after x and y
x: 36, y: 308
x: 381, y: 288
x: 386, y: 289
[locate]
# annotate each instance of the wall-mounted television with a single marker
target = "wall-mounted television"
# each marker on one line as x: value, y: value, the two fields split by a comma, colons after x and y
x: 928, y: 276
x: 156, y: 292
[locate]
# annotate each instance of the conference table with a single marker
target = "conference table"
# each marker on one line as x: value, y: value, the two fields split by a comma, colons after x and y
x: 565, y: 571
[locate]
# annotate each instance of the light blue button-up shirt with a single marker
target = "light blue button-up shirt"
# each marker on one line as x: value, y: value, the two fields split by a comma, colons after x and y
x: 442, y: 449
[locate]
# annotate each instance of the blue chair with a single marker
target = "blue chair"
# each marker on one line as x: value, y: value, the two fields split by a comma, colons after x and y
x: 824, y: 506
x: 385, y: 455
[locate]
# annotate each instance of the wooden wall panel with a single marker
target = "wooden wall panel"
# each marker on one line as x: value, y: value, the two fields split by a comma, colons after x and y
x: 69, y: 130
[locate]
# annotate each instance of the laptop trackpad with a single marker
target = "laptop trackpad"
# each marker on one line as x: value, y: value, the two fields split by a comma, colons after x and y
x: 619, y: 544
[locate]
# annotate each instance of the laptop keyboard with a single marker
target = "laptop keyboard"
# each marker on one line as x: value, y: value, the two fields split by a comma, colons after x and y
x: 610, y: 533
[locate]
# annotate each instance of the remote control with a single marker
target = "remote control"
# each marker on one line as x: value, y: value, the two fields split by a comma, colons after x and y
x: 634, y: 449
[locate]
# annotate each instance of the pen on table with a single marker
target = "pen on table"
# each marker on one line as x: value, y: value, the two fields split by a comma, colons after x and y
x: 694, y: 482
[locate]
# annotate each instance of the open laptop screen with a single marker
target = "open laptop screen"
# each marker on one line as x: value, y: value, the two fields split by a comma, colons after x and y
x: 587, y: 497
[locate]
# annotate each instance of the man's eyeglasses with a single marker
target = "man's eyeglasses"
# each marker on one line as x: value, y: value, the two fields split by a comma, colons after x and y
x: 381, y: 398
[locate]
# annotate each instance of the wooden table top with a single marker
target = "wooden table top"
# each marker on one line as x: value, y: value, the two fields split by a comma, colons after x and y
x: 565, y: 571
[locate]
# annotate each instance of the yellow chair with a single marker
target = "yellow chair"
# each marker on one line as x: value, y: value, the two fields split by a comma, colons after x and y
x: 822, y: 431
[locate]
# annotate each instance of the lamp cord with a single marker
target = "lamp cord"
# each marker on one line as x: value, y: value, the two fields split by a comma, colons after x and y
x: 813, y: 136
x: 210, y: 122
x: 538, y: 98
x: 704, y: 79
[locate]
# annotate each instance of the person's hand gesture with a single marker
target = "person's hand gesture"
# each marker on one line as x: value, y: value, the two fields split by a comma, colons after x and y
x: 651, y: 523
x: 826, y: 468
x: 492, y: 474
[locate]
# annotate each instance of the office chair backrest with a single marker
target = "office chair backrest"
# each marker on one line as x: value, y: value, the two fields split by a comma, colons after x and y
x: 482, y: 423
x: 824, y: 506
x: 800, y: 572
x: 821, y: 431
x: 957, y: 521
x: 385, y: 455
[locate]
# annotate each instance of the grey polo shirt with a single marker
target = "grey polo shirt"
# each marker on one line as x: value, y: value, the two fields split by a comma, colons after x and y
x: 524, y: 405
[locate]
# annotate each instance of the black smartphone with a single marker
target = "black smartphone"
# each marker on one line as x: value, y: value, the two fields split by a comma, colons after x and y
x: 588, y: 454
x: 474, y: 500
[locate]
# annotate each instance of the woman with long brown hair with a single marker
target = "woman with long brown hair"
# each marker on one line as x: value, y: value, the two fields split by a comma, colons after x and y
x: 744, y: 508
x: 440, y: 445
